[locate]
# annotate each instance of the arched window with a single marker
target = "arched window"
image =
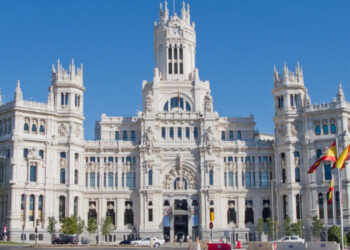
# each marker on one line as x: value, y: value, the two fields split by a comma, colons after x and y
x: 317, y: 130
x: 166, y: 106
x: 333, y: 128
x: 231, y: 213
x: 188, y: 133
x: 188, y: 106
x: 33, y: 128
x: 177, y: 103
x: 239, y: 135
x: 62, y: 176
x: 171, y: 133
x: 297, y: 174
x: 222, y: 135
x: 23, y: 200
x: 211, y: 177
x: 150, y: 177
x: 26, y: 127
x: 110, y: 179
x: 231, y: 135
x: 163, y: 133
x: 128, y: 217
x: 247, y: 179
x: 116, y: 135
x: 31, y: 208
x: 170, y: 52
x: 40, y: 207
x: 76, y: 177
x: 179, y: 133
x: 320, y: 206
x: 195, y: 132
x: 266, y: 213
x: 110, y: 211
x: 42, y: 129
x: 76, y: 202
x: 249, y: 213
x: 325, y: 129
x: 62, y: 208
x: 125, y: 135
x: 132, y: 135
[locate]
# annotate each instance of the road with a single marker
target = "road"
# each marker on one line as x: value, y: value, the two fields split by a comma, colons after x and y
x: 87, y: 247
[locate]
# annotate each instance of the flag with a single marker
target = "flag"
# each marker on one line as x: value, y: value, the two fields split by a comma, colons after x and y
x: 343, y: 157
x: 330, y: 192
x: 331, y: 155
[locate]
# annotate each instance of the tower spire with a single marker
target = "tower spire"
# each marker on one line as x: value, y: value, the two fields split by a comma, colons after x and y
x: 340, y: 94
x: 18, y: 92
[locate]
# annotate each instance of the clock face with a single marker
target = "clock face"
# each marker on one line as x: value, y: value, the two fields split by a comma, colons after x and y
x: 175, y: 31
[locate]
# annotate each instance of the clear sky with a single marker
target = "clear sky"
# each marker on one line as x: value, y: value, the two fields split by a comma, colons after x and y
x: 238, y: 42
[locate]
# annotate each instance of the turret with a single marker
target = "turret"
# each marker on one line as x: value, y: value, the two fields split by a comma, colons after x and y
x: 340, y: 94
x: 175, y: 44
x: 67, y: 90
x: 18, y: 93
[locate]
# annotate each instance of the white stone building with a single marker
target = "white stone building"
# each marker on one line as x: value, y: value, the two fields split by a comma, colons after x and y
x: 164, y: 171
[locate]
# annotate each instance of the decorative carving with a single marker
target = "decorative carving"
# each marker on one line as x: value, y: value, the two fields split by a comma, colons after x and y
x: 179, y: 177
x: 209, y: 137
x: 208, y: 103
x: 148, y: 138
x: 295, y: 128
x: 149, y: 103
x: 63, y: 129
x: 282, y: 130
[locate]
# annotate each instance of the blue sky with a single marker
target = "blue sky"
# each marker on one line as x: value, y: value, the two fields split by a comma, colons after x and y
x: 238, y: 42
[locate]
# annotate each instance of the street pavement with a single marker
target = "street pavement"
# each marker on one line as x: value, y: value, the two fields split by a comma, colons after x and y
x: 88, y: 248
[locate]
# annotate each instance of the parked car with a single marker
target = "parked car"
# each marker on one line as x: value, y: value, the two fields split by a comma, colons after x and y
x: 65, y: 239
x: 147, y: 242
x: 291, y: 239
x: 125, y: 242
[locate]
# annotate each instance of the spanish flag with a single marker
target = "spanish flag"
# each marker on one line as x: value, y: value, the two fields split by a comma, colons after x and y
x: 343, y: 157
x: 330, y: 192
x: 331, y: 155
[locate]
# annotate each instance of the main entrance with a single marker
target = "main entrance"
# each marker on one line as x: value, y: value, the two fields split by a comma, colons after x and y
x: 180, y: 227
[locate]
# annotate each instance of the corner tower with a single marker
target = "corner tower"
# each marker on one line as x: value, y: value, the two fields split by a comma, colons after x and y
x: 174, y: 44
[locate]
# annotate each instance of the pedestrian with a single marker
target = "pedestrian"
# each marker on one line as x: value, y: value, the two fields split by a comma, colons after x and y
x: 181, y: 240
x: 198, y: 244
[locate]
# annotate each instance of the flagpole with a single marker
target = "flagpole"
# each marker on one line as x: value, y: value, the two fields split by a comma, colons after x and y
x: 340, y: 200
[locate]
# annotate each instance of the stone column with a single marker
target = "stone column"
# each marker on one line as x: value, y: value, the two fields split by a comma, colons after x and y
x: 172, y: 231
x: 241, y: 212
x: 292, y: 207
x: 120, y: 213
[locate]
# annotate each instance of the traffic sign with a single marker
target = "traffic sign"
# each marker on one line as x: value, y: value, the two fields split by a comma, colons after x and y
x: 211, y: 225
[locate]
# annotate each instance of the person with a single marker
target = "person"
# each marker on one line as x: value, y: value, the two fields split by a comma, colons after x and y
x: 181, y: 240
x: 198, y: 244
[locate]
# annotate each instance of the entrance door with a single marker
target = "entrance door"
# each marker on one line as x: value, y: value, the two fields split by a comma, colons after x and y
x: 180, y: 227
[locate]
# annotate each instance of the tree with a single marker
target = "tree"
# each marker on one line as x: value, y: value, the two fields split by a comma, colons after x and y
x: 287, y: 226
x: 69, y: 225
x: 92, y: 225
x: 260, y: 227
x: 348, y: 237
x: 80, y: 225
x: 270, y: 228
x: 334, y: 234
x: 51, y: 227
x: 296, y: 228
x: 108, y: 226
x: 316, y: 226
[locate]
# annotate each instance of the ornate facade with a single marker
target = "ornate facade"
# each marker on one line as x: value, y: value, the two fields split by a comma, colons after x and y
x: 173, y: 167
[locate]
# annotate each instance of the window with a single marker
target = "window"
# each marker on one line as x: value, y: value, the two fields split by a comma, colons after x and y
x: 179, y: 133
x: 98, y: 179
x: 230, y: 159
x: 231, y: 135
x: 166, y: 106
x: 325, y: 129
x: 195, y: 132
x: 291, y: 100
x: 297, y: 174
x: 62, y: 98
x: 211, y: 177
x: 150, y: 214
x: 116, y: 135
x: 132, y: 135
x: 76, y: 177
x: 180, y: 52
x: 333, y: 129
x: 86, y: 180
x: 32, y: 173
x: 175, y: 66
x: 188, y: 133
x: 31, y: 207
x: 239, y: 135
x: 62, y: 176
x: 110, y: 179
x: 163, y: 133
x: 188, y: 106
x: 171, y: 133
x: 318, y: 153
x: 222, y: 135
x: 249, y: 213
x: 231, y: 213
x: 170, y: 54
x: 33, y: 128
x: 134, y: 179
x: 116, y: 179
x: 25, y: 153
x: 150, y: 177
x: 247, y: 159
x: 175, y: 52
x: 298, y: 206
x: 265, y: 179
x: 125, y: 135
x: 63, y: 155
x: 327, y: 172
x: 317, y: 130
x: 320, y: 206
x: 26, y: 127
x: 23, y: 198
x: 41, y: 153
x: 76, y: 200
x: 225, y: 179
x: 284, y: 177
x: 230, y: 179
x: 247, y: 179
x: 181, y: 68
x: 62, y: 208
x: 170, y: 65
x: 92, y: 179
x: 66, y: 98
x: 128, y: 179
x: 42, y: 129
x: 105, y: 179
x: 40, y: 208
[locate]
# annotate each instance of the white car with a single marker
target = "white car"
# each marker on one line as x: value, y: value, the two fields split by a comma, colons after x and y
x: 291, y: 239
x: 147, y: 242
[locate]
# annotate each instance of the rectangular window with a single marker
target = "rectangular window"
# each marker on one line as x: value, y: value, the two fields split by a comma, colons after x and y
x: 134, y: 179
x: 181, y: 68
x: 125, y: 135
x: 170, y: 65
x: 62, y: 176
x: 327, y: 172
x: 188, y: 133
x: 128, y: 179
x: 150, y: 214
x: 163, y: 133
x: 211, y: 177
x: 222, y: 135
x: 33, y: 173
x: 297, y: 174
x: 116, y: 135
x: 175, y: 68
x: 170, y: 54
x: 110, y: 179
x: 175, y: 53
x: 181, y: 53
x: 150, y: 177
x: 231, y: 135
x: 171, y: 133
x: 92, y: 179
x: 195, y: 132
x: 179, y: 133
x: 230, y: 179
x: 225, y: 179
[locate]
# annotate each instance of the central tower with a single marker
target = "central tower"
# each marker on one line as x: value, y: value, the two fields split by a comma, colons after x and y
x: 174, y: 44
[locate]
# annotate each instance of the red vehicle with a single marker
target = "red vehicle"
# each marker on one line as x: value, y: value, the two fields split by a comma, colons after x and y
x: 220, y: 246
